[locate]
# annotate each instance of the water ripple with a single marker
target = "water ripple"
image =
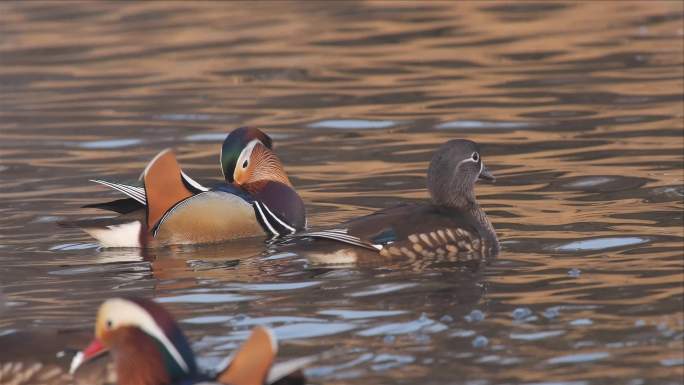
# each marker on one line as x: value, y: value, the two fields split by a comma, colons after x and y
x: 424, y: 325
x: 576, y: 107
x: 351, y: 124
x: 311, y: 330
x: 382, y: 289
x: 537, y: 335
x: 578, y: 358
x: 600, y: 243
x: 361, y: 314
x: 206, y: 298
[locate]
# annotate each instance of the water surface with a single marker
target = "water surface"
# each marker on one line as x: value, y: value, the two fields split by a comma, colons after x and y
x: 577, y: 106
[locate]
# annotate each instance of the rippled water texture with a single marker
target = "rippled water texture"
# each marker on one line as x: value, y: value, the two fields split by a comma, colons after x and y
x: 578, y: 107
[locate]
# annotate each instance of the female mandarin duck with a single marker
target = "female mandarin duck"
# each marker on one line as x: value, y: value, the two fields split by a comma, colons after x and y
x: 451, y: 227
x: 148, y: 348
x: 171, y: 208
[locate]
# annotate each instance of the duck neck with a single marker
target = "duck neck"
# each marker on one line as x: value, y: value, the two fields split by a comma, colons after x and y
x: 462, y: 201
x: 467, y: 204
x: 483, y: 221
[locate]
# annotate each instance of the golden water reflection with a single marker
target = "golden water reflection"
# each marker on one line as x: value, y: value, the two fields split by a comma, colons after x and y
x: 577, y: 105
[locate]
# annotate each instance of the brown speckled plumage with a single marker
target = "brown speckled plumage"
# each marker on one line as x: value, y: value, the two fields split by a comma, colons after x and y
x: 22, y: 373
x: 448, y: 244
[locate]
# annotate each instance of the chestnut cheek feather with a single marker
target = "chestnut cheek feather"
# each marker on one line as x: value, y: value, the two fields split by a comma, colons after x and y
x: 265, y: 165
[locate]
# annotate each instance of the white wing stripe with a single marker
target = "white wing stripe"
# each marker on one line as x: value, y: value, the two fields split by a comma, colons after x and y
x: 264, y: 219
x: 137, y: 193
x: 126, y: 189
x: 134, y: 193
x: 285, y: 225
x: 193, y: 182
x: 337, y: 236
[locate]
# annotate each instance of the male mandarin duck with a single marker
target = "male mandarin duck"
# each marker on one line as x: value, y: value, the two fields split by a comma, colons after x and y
x: 148, y: 348
x: 171, y: 208
x: 451, y: 227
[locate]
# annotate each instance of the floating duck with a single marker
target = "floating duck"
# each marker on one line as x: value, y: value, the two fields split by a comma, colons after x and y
x: 148, y: 348
x: 451, y: 227
x: 170, y: 208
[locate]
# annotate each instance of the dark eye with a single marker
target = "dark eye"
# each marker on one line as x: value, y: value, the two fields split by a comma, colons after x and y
x: 475, y: 156
x: 244, y: 164
x: 109, y: 324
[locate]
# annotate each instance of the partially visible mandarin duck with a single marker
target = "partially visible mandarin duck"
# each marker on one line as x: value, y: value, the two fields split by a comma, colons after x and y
x: 148, y: 348
x: 451, y: 227
x: 257, y: 199
x: 39, y: 356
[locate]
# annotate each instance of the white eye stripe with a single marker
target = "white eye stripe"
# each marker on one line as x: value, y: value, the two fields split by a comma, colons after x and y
x: 245, y: 155
x: 466, y: 160
x: 130, y: 313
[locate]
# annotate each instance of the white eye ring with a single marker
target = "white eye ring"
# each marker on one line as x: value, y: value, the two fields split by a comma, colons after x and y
x: 475, y: 156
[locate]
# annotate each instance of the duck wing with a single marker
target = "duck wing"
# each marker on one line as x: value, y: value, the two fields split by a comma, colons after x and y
x: 136, y: 190
x: 412, y: 230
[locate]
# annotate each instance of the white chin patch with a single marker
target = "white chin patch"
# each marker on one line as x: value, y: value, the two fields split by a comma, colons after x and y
x: 76, y: 362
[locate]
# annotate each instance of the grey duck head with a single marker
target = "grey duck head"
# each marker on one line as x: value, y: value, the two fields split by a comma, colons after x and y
x: 453, y: 171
